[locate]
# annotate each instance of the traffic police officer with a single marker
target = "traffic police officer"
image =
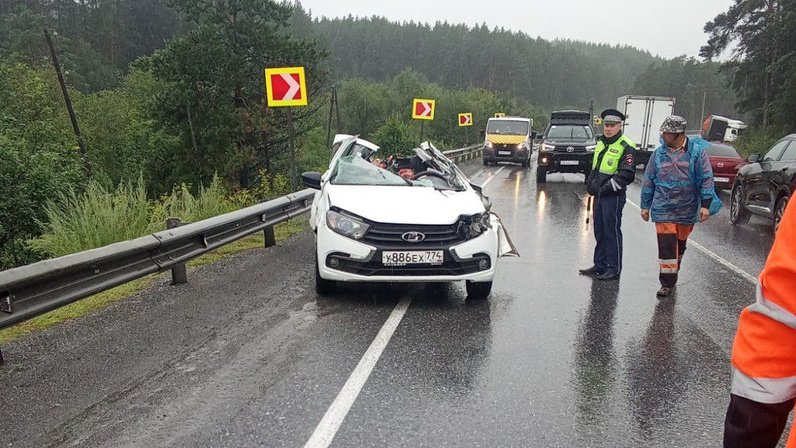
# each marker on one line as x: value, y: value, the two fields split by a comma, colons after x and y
x: 613, y: 169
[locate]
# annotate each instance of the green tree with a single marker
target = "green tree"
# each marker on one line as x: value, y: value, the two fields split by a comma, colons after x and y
x: 763, y: 33
x: 213, y: 88
x: 39, y: 154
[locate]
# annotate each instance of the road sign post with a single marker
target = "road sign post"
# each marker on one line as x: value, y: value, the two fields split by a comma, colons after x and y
x: 423, y: 110
x: 287, y: 87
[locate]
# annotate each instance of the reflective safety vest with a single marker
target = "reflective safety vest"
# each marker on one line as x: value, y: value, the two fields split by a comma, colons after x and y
x: 610, y: 161
x: 764, y: 351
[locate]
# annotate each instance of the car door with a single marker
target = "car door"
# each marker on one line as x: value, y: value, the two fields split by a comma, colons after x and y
x: 758, y: 179
x: 782, y: 173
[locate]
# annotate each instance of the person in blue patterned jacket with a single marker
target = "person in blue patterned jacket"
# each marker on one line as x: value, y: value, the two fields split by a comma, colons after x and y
x: 676, y: 193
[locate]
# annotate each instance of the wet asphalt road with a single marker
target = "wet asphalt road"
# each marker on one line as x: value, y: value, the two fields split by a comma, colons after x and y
x: 246, y: 354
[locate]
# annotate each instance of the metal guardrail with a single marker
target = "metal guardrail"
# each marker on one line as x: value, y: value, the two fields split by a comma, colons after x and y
x: 468, y: 153
x: 32, y: 290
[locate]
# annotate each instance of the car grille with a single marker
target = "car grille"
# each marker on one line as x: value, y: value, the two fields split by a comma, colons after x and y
x: 501, y: 147
x: 390, y: 236
x: 374, y: 267
x: 575, y: 149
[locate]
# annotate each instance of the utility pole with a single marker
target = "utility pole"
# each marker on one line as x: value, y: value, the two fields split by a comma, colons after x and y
x: 702, y: 115
x: 57, y: 65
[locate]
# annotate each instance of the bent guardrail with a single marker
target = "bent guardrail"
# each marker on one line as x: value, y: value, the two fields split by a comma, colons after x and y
x: 32, y: 290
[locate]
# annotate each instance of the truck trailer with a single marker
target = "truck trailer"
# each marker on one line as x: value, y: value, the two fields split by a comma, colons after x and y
x: 643, y: 118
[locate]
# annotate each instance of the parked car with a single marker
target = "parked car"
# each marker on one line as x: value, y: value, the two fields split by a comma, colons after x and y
x: 764, y: 186
x: 568, y: 145
x: 725, y: 162
x: 426, y: 224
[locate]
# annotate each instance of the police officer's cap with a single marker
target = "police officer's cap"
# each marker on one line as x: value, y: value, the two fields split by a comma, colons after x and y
x: 612, y: 116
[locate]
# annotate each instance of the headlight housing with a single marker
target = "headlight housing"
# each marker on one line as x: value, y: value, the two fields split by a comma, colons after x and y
x: 488, y: 145
x: 523, y: 145
x: 547, y: 148
x: 474, y: 225
x: 591, y: 148
x: 346, y: 225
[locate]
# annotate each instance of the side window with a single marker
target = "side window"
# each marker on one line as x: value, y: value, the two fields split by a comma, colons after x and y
x: 773, y: 154
x: 790, y: 153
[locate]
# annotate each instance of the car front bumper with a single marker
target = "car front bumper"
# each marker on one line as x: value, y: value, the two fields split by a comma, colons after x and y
x: 566, y: 162
x: 344, y: 259
x: 498, y: 154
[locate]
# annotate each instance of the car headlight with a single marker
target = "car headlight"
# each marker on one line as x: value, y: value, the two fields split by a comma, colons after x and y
x: 591, y: 148
x: 474, y: 225
x: 523, y: 145
x: 547, y: 148
x: 346, y: 225
x: 489, y: 145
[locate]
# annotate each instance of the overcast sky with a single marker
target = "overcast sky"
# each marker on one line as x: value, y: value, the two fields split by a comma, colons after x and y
x: 667, y: 28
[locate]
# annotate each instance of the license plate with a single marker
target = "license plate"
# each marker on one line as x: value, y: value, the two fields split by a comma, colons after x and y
x: 504, y: 153
x: 568, y: 162
x: 721, y: 179
x: 403, y: 258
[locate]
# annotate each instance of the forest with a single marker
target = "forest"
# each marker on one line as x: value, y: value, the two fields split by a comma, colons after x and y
x: 169, y: 99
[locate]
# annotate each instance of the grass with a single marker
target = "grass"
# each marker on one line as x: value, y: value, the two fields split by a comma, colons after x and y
x: 98, y: 301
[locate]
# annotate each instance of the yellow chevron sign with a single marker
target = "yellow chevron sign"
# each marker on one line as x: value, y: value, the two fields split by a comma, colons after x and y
x: 466, y: 119
x: 500, y: 114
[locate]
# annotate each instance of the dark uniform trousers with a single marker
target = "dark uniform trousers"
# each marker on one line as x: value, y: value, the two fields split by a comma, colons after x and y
x: 608, y: 232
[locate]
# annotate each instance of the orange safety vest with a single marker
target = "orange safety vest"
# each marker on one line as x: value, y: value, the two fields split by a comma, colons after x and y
x: 764, y: 351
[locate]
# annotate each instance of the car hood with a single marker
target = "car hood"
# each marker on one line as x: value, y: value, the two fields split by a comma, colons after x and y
x: 571, y: 141
x: 405, y: 205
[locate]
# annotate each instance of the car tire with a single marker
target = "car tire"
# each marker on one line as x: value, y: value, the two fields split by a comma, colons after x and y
x: 478, y: 290
x: 541, y: 174
x: 486, y: 162
x: 779, y: 211
x: 738, y: 214
x: 586, y: 177
x: 526, y: 164
x: 323, y: 287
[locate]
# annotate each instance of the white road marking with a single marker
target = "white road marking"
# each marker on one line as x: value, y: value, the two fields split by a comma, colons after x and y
x: 483, y: 185
x: 747, y: 276
x: 330, y: 424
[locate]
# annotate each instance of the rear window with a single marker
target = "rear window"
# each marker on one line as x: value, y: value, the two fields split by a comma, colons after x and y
x: 722, y: 151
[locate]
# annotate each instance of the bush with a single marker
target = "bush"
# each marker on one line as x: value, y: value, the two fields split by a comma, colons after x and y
x: 96, y: 218
x: 756, y: 140
x: 99, y: 217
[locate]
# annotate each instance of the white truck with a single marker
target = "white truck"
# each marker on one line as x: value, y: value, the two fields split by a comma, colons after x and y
x: 643, y: 118
x: 722, y: 129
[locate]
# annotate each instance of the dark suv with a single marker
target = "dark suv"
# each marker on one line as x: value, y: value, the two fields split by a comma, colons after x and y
x: 764, y: 186
x: 567, y: 146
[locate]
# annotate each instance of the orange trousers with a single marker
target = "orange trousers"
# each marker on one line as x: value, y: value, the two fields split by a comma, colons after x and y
x: 672, y: 240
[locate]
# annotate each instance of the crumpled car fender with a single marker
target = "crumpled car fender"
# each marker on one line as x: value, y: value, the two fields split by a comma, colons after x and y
x: 505, y: 247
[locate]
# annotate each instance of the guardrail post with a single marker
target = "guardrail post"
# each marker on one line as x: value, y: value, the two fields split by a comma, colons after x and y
x: 179, y: 275
x: 270, y: 237
x: 1, y: 356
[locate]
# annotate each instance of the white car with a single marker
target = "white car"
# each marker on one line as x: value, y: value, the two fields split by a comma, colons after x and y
x: 373, y: 225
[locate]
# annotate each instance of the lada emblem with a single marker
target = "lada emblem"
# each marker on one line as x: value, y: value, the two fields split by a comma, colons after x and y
x: 413, y: 237
x: 570, y: 149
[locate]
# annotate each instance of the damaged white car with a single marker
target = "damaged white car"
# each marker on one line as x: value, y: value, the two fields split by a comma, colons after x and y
x: 414, y: 219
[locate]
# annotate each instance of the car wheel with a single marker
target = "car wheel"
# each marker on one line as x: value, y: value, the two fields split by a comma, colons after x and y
x: 779, y: 211
x: 322, y: 286
x: 738, y: 214
x: 541, y: 174
x: 486, y: 162
x: 586, y: 177
x: 478, y: 290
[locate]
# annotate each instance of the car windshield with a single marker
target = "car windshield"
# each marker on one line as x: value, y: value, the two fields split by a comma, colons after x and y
x: 722, y: 151
x: 353, y: 170
x: 569, y: 131
x: 507, y: 127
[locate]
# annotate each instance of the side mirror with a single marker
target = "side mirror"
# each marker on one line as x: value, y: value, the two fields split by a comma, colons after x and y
x: 533, y: 135
x: 753, y: 158
x: 311, y: 179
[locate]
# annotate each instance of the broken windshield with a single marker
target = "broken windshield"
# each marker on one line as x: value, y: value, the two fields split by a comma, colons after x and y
x: 353, y: 170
